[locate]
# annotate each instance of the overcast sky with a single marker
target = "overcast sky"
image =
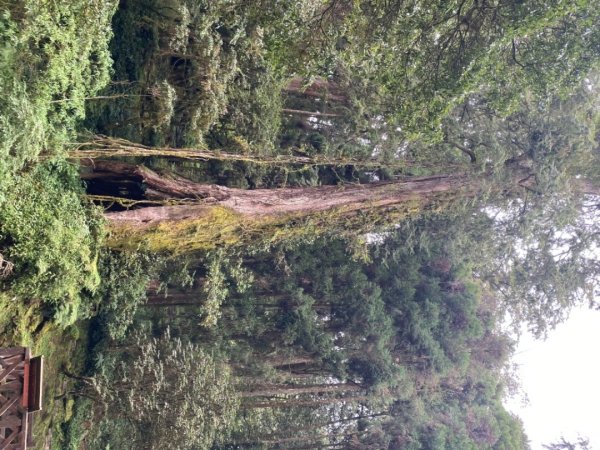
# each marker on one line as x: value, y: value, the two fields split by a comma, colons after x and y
x: 561, y: 377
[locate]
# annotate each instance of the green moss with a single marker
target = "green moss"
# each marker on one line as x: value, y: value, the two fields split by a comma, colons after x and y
x: 220, y: 227
x: 69, y: 409
x: 76, y: 426
x: 61, y: 351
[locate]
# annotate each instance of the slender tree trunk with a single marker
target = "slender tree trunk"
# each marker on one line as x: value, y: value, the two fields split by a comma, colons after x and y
x: 316, y: 426
x: 301, y: 112
x: 295, y: 403
x: 292, y: 377
x: 289, y: 360
x: 109, y: 147
x: 272, y: 390
x: 176, y: 298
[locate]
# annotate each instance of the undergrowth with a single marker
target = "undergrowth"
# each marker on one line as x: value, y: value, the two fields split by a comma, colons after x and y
x: 53, y: 56
x: 52, y: 237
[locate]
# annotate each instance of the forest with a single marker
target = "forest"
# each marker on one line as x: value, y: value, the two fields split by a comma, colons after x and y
x: 283, y: 224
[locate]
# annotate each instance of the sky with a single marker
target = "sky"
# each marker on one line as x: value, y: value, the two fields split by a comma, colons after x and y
x: 561, y: 377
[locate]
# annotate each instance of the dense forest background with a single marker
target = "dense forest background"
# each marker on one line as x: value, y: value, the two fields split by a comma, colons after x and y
x: 281, y: 224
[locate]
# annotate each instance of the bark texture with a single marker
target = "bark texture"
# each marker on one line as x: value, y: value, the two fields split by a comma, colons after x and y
x: 267, y: 202
x: 199, y: 217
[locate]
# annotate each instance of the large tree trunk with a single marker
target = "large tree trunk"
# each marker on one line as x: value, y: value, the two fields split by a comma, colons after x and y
x: 214, y: 215
x: 268, y: 202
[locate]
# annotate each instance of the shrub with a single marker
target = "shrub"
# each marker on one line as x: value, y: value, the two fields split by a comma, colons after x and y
x: 125, y: 277
x: 52, y: 236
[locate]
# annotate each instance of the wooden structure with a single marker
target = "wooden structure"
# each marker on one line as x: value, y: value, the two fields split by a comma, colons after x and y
x: 20, y: 395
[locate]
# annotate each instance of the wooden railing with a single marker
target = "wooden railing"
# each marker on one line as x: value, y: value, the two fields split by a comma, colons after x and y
x: 20, y: 395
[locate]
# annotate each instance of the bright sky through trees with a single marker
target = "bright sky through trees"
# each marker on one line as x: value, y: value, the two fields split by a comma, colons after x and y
x: 560, y: 377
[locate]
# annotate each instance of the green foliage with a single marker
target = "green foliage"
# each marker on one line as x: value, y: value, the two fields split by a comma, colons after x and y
x: 216, y: 292
x: 453, y: 49
x: 167, y: 393
x: 409, y: 324
x: 53, y: 55
x: 52, y: 237
x: 252, y: 120
x: 512, y: 434
x: 180, y: 67
x: 222, y: 272
x: 22, y: 120
x: 76, y: 431
x: 65, y: 45
x: 22, y: 129
x: 57, y: 58
x: 124, y: 282
x: 405, y: 327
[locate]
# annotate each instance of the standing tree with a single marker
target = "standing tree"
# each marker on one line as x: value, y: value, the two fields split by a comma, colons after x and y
x: 173, y: 393
x: 532, y: 175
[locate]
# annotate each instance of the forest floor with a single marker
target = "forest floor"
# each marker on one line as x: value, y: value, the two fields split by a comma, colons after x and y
x: 23, y: 325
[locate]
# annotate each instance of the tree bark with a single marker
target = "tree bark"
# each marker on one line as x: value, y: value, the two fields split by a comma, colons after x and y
x: 271, y: 390
x: 289, y: 360
x: 173, y: 300
x: 200, y: 217
x: 268, y: 202
x: 295, y: 403
x: 319, y: 88
x: 301, y: 112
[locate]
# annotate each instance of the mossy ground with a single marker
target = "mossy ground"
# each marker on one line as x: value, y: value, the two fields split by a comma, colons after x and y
x: 23, y: 324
